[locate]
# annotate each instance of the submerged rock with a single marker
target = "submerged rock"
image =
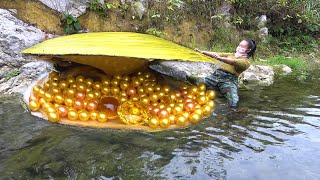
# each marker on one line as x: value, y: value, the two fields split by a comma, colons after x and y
x: 17, y: 71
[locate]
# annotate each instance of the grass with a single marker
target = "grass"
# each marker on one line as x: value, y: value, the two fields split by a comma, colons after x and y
x: 12, y: 74
x: 293, y: 63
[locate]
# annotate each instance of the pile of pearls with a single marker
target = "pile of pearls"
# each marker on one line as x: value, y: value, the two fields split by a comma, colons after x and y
x: 79, y: 98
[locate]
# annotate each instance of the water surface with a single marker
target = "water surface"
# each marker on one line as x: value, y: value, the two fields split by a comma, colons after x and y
x: 278, y: 138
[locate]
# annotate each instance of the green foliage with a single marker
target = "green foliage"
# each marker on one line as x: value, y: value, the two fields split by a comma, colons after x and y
x: 70, y: 23
x: 154, y: 31
x: 100, y: 8
x: 12, y: 74
x: 294, y: 63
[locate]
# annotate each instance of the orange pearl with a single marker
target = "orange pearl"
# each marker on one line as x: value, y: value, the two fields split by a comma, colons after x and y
x: 62, y: 111
x: 80, y: 95
x: 131, y: 91
x: 189, y: 106
x: 33, y: 98
x: 91, y: 106
x: 78, y: 104
x: 163, y: 114
x: 155, y: 111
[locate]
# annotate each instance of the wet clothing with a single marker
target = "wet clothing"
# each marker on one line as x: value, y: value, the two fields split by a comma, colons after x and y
x: 225, y: 79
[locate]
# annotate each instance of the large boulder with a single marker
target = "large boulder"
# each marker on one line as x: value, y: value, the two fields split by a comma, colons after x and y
x: 17, y: 71
x: 74, y: 7
x: 257, y: 75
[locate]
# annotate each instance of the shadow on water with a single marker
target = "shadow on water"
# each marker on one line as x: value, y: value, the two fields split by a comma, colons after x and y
x: 276, y: 138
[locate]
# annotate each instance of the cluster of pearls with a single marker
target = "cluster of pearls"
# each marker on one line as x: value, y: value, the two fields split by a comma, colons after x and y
x: 82, y: 98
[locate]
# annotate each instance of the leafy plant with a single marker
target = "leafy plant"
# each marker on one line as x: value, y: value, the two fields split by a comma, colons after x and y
x: 70, y: 23
x: 294, y: 63
x: 155, y: 32
x: 100, y: 8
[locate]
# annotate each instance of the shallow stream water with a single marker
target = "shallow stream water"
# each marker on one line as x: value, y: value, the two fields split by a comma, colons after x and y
x: 277, y: 138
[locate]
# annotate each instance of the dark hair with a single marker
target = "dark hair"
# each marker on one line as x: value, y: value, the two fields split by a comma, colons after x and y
x: 252, y: 47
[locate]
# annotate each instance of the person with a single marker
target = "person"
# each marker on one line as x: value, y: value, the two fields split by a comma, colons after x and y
x: 225, y: 79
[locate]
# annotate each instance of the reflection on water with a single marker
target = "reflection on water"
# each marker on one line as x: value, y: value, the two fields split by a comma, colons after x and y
x: 277, y: 138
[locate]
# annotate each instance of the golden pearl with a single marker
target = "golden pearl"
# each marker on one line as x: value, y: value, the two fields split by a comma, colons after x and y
x: 134, y: 111
x: 194, y: 117
x: 102, y: 117
x: 46, y: 85
x: 141, y: 78
x: 55, y: 90
x: 59, y: 98
x: 157, y: 88
x: 88, y: 82
x: 70, y: 80
x: 136, y: 83
x: 184, y: 86
x: 93, y: 115
x: 83, y: 115
x: 177, y: 110
x: 115, y: 82
x: 185, y: 114
x: 147, y: 75
x: 123, y: 99
x: 42, y: 101
x: 105, y: 82
x: 54, y: 84
x: 117, y: 77
x: 53, y: 117
x: 198, y: 111
x: 206, y: 110
x: 145, y: 100
x: 211, y: 94
x: 88, y: 89
x: 123, y: 94
x: 68, y: 101
x: 90, y: 96
x: 211, y: 104
x: 70, y: 92
x: 154, y: 97
x: 140, y: 90
x: 36, y: 89
x: 80, y: 79
x: 34, y: 105
x: 53, y: 73
x: 48, y: 97
x: 202, y: 87
x: 134, y: 98
x: 166, y: 89
x: 181, y: 120
x: 126, y: 78
x: 41, y: 92
x: 81, y: 87
x: 73, y: 85
x: 202, y: 93
x: 72, y: 114
x: 97, y: 94
x: 143, y: 95
x: 105, y: 90
x: 148, y: 89
x: 63, y: 84
x: 172, y: 119
x: 97, y: 85
x: 115, y: 90
x: 154, y: 122
x: 124, y: 85
x: 202, y: 100
x: 164, y: 123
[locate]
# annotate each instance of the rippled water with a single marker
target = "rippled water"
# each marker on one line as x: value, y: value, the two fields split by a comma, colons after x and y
x: 278, y: 138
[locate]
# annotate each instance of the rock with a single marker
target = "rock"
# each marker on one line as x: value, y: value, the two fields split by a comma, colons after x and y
x: 262, y: 21
x: 74, y: 7
x: 179, y: 70
x: 16, y: 36
x: 257, y: 75
x: 282, y: 69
